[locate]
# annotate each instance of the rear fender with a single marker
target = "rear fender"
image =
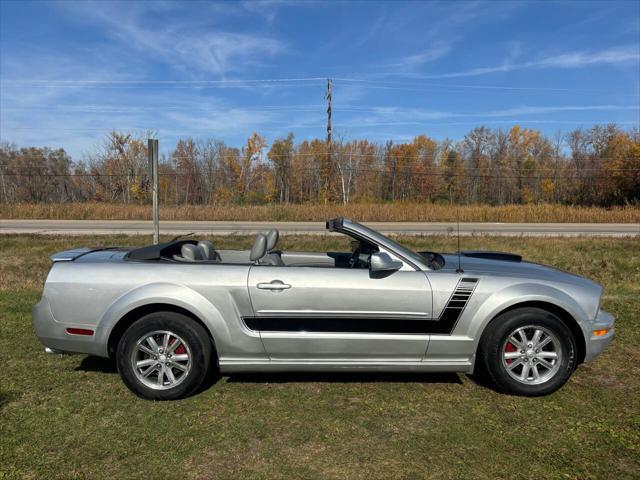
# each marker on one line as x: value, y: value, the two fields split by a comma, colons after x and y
x: 162, y: 293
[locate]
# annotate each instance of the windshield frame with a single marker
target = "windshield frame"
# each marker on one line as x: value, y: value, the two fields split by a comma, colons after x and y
x: 413, y: 258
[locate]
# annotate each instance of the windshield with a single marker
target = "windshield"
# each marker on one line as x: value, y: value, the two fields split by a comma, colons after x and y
x: 391, y: 244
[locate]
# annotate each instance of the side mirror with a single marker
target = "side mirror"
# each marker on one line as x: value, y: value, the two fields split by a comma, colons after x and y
x: 382, y: 262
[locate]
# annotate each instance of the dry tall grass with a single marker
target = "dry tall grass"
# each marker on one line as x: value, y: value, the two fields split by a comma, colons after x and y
x: 386, y: 212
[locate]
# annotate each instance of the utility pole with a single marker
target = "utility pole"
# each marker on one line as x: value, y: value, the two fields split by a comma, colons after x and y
x: 152, y: 150
x: 327, y: 168
x: 329, y: 116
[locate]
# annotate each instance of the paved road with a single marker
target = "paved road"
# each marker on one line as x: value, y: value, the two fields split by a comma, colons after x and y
x: 132, y: 227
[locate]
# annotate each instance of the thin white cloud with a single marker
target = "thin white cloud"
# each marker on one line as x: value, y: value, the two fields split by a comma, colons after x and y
x: 267, y: 8
x: 528, y: 110
x: 438, y: 50
x: 445, y: 27
x: 408, y: 116
x: 371, y: 31
x: 186, y: 45
x: 617, y: 55
x: 220, y: 52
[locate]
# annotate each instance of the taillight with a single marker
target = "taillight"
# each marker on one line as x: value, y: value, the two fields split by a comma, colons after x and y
x: 79, y: 331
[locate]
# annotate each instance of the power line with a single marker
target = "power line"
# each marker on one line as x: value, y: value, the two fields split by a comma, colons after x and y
x: 467, y: 86
x: 384, y: 160
x: 382, y: 155
x: 487, y: 122
x: 380, y: 110
x: 459, y: 92
x: 162, y: 82
x: 161, y: 86
x: 259, y: 81
x: 160, y: 109
x: 83, y: 129
x: 315, y: 170
x: 418, y: 160
x: 345, y: 126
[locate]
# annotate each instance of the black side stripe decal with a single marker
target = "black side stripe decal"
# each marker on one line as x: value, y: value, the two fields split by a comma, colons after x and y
x: 320, y: 324
x: 454, y: 307
x: 325, y: 324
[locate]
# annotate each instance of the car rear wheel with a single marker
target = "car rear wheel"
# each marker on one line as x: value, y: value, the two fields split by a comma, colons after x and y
x: 528, y: 351
x: 164, y: 356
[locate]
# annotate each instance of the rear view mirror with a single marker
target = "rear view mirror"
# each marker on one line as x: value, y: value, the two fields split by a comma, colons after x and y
x: 382, y: 262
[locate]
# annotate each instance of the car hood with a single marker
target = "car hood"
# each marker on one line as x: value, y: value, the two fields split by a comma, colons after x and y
x: 493, y: 266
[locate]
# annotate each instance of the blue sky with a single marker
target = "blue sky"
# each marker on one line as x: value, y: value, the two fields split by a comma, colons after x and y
x: 71, y: 71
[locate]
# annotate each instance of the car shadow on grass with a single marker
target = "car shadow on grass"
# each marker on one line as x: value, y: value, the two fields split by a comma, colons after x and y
x: 104, y: 365
x: 345, y: 377
x: 97, y: 364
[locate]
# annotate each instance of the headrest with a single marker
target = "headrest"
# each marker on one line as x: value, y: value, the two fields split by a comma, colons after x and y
x: 259, y: 248
x: 272, y: 239
x: 208, y: 250
x: 190, y: 252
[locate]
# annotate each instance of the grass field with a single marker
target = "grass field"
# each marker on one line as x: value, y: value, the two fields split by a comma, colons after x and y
x: 71, y: 417
x: 369, y: 212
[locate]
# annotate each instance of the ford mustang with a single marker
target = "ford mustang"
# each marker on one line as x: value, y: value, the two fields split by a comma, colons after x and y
x: 172, y: 314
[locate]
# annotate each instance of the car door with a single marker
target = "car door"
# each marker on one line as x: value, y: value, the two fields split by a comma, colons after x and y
x: 340, y: 314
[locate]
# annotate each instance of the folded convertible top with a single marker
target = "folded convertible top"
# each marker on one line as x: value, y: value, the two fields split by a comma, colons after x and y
x: 156, y: 252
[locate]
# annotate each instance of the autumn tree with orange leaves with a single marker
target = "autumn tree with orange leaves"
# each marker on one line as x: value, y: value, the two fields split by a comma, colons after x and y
x: 595, y: 166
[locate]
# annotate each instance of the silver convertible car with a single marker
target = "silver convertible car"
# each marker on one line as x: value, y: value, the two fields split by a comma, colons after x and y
x: 171, y: 315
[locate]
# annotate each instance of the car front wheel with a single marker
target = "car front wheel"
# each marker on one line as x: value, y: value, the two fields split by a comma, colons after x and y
x: 164, y: 356
x: 528, y: 351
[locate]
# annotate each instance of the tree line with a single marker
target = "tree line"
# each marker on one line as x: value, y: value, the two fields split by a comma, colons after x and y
x: 595, y: 166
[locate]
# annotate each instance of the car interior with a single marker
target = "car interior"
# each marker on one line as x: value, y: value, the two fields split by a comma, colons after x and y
x: 263, y: 252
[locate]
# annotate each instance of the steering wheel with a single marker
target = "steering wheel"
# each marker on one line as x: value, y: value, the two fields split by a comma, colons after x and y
x: 354, y: 260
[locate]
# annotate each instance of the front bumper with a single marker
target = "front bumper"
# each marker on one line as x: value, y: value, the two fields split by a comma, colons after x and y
x: 596, y: 344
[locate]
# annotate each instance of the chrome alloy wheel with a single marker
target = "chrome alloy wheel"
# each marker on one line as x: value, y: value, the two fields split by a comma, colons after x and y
x: 161, y: 360
x: 531, y: 355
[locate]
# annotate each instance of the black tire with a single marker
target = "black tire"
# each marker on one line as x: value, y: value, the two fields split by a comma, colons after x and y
x: 192, y: 333
x: 494, y: 341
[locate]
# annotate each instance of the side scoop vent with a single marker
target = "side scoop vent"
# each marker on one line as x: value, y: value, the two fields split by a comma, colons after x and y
x: 455, y: 306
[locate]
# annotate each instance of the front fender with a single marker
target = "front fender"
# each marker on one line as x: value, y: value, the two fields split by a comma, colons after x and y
x: 513, y: 295
x: 167, y: 293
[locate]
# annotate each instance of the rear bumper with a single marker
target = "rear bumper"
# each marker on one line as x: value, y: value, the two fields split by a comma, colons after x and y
x: 54, y: 336
x: 596, y: 344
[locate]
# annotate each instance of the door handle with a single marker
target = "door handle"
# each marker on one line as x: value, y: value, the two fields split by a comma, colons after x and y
x: 274, y: 285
